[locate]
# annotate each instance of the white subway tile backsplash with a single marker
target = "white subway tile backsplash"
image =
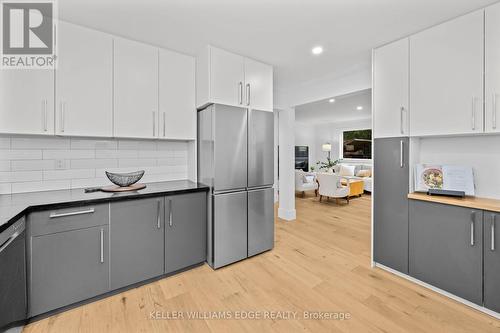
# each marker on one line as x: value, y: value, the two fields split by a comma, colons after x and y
x: 4, y: 142
x: 5, y: 188
x: 68, y: 154
x: 40, y: 143
x: 116, y: 153
x: 29, y: 163
x: 20, y: 176
x: 94, y: 163
x: 68, y: 174
x: 96, y: 144
x: 136, y: 162
x: 21, y: 154
x: 91, y: 182
x: 41, y: 186
x: 137, y: 145
x: 157, y: 154
x: 5, y: 165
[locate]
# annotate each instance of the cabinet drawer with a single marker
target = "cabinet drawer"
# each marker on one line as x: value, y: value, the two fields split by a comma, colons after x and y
x: 65, y: 219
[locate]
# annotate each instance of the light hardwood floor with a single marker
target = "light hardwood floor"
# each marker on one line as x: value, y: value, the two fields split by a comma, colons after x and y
x: 321, y: 262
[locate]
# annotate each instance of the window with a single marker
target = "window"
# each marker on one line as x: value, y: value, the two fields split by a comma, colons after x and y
x: 357, y: 144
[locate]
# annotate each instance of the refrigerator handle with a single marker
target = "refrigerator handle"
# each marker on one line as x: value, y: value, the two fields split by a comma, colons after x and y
x: 258, y: 188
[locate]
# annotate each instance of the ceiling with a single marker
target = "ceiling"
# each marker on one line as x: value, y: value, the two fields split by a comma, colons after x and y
x: 342, y: 110
x: 279, y: 32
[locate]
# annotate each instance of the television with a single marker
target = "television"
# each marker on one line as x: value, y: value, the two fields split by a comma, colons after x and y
x: 302, y: 158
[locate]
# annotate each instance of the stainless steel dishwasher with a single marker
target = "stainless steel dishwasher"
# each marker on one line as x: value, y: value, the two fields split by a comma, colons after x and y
x: 13, y: 298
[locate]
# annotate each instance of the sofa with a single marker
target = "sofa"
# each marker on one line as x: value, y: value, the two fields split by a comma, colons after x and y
x: 356, y: 171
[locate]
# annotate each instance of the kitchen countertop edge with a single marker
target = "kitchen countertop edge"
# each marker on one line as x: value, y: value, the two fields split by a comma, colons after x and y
x: 122, y: 197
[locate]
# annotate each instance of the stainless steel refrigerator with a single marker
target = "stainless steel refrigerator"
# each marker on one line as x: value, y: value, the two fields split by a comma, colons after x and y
x: 236, y: 159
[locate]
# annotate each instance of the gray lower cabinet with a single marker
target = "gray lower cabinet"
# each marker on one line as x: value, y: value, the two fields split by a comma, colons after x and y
x: 68, y: 267
x: 185, y: 230
x: 491, y: 261
x: 260, y: 221
x: 390, y: 203
x: 446, y: 246
x: 137, y: 241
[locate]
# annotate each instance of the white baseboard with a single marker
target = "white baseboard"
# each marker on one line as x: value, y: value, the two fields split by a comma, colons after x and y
x: 439, y: 291
x: 287, y: 214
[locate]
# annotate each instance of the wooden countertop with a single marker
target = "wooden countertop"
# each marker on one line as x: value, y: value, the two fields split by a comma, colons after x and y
x: 492, y: 205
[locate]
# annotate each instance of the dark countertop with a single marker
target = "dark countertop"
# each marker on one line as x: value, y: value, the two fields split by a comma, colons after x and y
x: 14, y: 206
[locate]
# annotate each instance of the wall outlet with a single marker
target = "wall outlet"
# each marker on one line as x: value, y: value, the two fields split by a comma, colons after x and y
x: 60, y: 165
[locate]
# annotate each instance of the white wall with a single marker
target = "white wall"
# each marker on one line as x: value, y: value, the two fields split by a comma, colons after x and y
x: 480, y: 152
x: 30, y: 163
x: 316, y: 135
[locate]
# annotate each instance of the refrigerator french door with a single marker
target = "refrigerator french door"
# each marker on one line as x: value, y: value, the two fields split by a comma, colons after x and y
x: 235, y: 158
x: 260, y: 181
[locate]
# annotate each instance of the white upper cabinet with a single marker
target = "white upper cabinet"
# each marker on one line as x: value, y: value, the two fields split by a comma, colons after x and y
x: 227, y: 78
x: 390, y: 93
x: 84, y: 82
x: 446, y: 78
x: 27, y: 101
x: 177, y: 96
x: 258, y: 85
x: 492, y: 69
x: 135, y: 90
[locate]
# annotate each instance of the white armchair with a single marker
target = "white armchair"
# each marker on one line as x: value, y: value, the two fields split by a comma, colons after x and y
x: 305, y: 181
x: 330, y: 186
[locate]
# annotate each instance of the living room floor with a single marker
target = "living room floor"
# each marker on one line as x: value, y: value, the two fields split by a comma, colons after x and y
x: 321, y: 262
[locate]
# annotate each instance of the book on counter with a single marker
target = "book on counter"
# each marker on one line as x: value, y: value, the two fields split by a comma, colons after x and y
x: 444, y: 177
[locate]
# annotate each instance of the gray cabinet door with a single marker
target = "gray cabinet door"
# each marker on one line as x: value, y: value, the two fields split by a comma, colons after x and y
x: 446, y: 248
x: 260, y: 148
x: 68, y: 267
x: 137, y: 241
x: 491, y: 261
x: 229, y: 228
x: 390, y: 203
x: 186, y: 230
x: 230, y: 147
x: 260, y: 220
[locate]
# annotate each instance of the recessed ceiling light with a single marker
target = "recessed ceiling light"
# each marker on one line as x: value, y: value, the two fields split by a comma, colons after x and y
x: 331, y: 100
x: 317, y: 50
x: 359, y: 108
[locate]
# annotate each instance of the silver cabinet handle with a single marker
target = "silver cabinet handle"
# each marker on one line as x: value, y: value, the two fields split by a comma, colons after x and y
x: 154, y: 124
x: 494, y: 112
x: 102, y: 245
x: 248, y: 94
x: 472, y: 224
x: 473, y: 118
x: 401, y: 154
x: 493, y: 222
x: 240, y: 93
x: 81, y: 212
x: 63, y: 106
x: 401, y: 110
x: 164, y: 123
x: 158, y: 222
x: 8, y: 241
x: 170, y: 219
